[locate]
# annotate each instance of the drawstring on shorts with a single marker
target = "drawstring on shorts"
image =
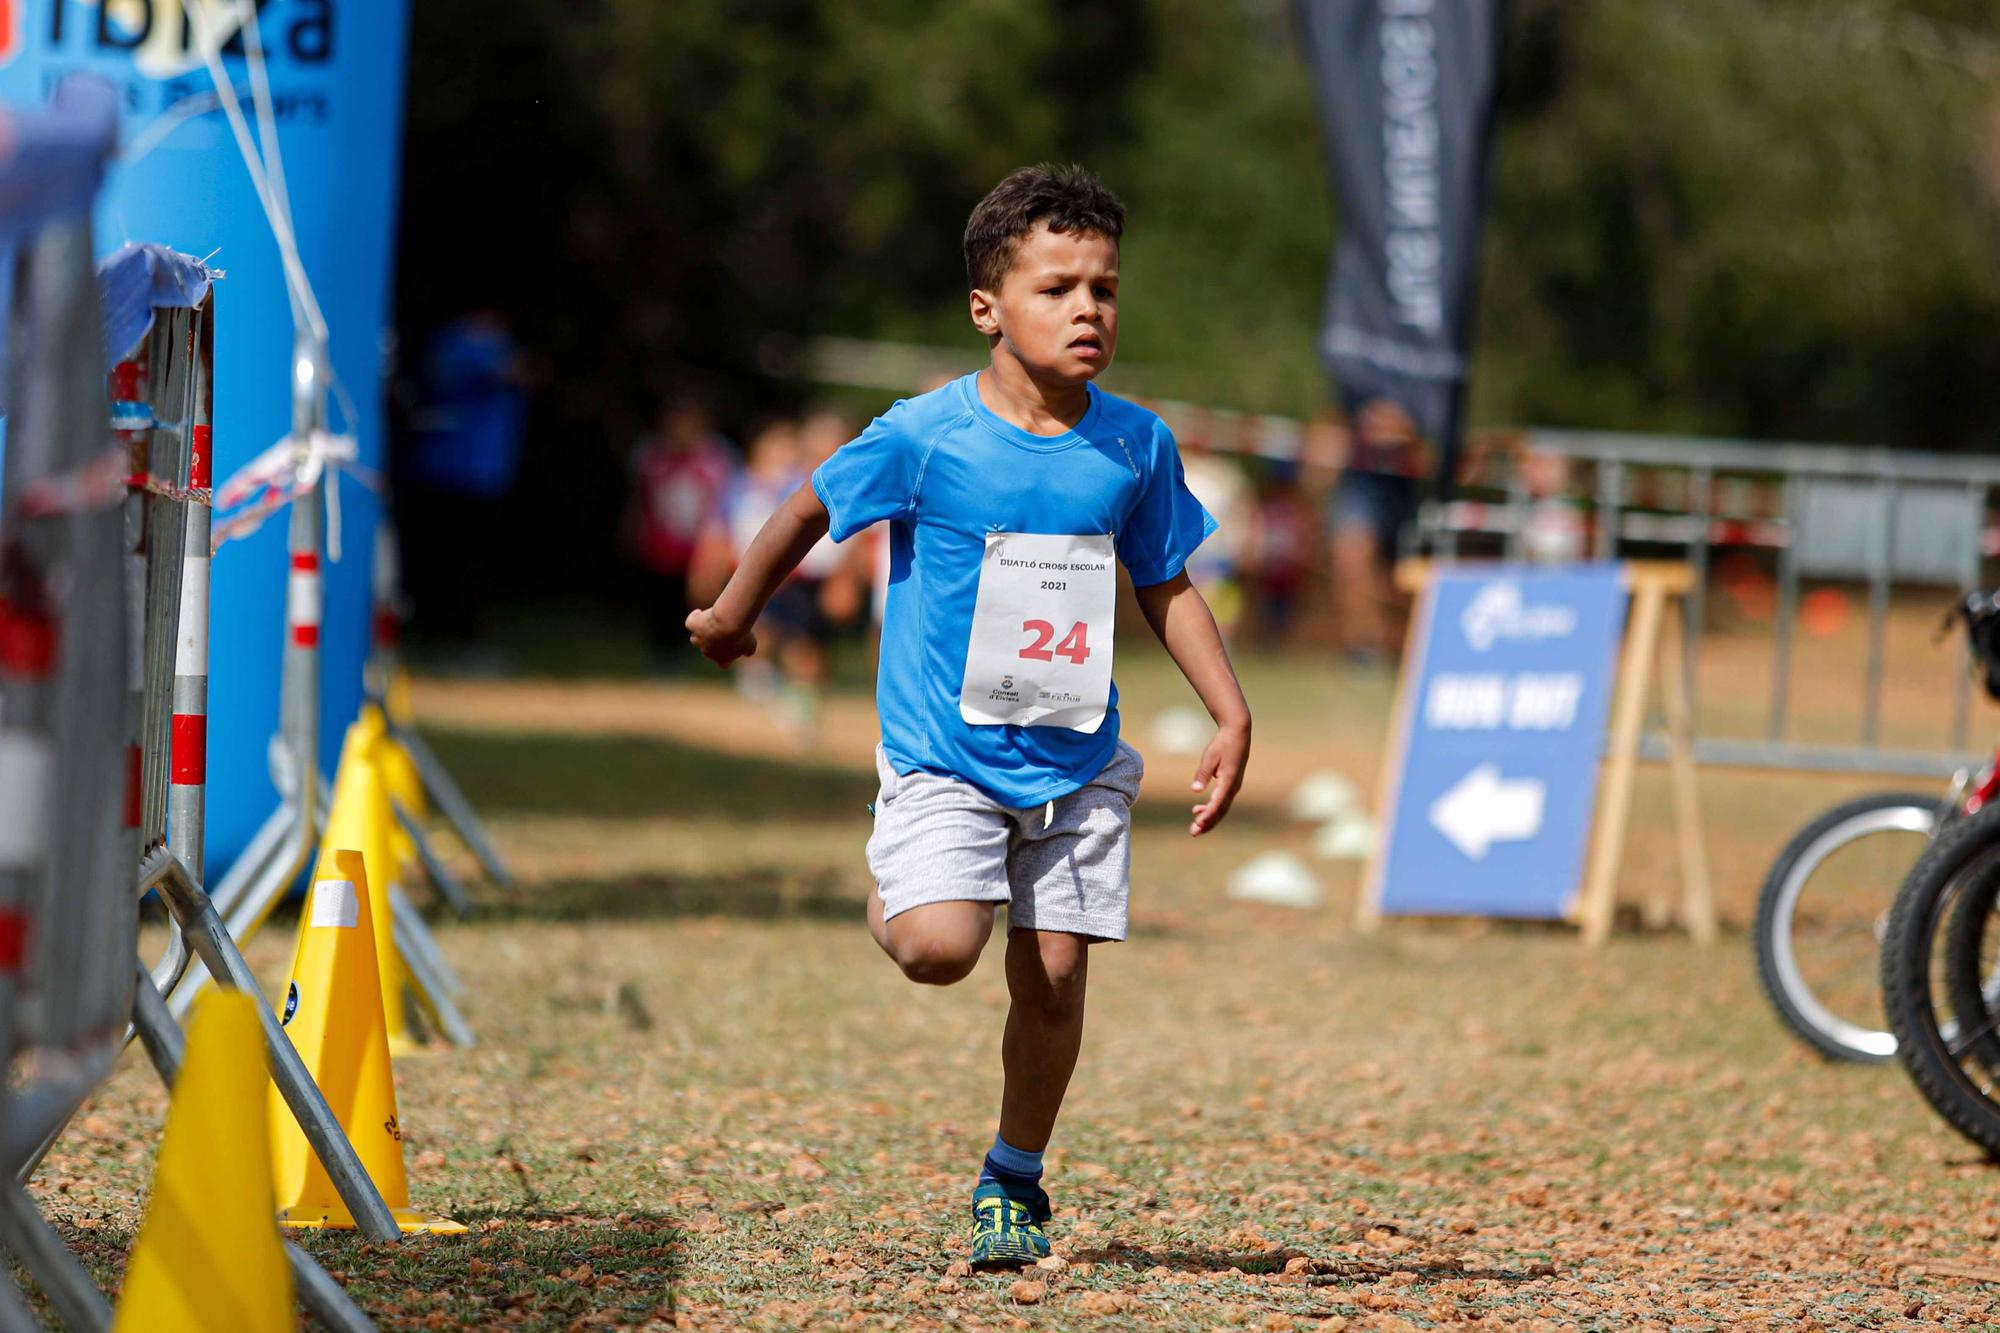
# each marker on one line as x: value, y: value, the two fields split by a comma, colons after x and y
x: 1049, y: 814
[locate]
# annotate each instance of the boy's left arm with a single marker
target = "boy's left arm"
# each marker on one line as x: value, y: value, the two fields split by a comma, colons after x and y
x: 1181, y: 618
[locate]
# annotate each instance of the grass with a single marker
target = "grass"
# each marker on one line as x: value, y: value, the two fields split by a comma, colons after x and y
x: 703, y: 1099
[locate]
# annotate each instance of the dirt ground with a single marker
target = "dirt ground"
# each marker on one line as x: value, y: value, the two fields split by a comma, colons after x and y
x: 702, y: 1099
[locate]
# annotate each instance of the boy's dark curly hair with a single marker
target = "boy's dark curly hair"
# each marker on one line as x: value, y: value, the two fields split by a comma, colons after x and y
x: 1067, y: 197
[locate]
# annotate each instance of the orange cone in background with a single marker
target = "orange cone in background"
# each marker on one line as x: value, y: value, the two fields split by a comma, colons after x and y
x: 333, y: 1014
x: 208, y: 1256
x: 360, y: 818
x: 1823, y: 612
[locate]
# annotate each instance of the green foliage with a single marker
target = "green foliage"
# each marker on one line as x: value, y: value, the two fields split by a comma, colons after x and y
x: 712, y: 182
x: 1764, y: 219
x: 1771, y: 219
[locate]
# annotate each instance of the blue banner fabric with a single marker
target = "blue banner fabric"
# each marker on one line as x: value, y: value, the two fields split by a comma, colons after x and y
x: 52, y: 158
x: 336, y: 84
x: 136, y: 281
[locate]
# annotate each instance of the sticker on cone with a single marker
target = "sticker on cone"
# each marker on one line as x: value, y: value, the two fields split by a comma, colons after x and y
x: 208, y: 1256
x: 337, y: 1026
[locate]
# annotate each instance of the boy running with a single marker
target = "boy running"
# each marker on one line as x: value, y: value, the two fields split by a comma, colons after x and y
x: 1008, y: 495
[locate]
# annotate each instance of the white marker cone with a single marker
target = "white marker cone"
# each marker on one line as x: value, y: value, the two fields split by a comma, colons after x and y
x: 1278, y: 878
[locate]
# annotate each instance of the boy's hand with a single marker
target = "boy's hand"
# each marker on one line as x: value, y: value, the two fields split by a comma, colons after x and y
x: 1221, y: 776
x: 1180, y: 617
x: 720, y: 642
x: 723, y: 631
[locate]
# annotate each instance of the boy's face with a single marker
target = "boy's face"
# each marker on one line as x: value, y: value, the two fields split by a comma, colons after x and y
x: 1057, y: 308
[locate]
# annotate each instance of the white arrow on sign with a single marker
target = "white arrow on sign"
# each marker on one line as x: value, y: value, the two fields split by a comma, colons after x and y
x: 1481, y: 809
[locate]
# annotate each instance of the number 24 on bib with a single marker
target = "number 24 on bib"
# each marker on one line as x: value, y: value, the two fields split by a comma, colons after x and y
x: 1040, y: 651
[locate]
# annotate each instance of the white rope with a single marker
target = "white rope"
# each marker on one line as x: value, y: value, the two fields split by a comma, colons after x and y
x: 305, y: 310
x: 281, y: 474
x: 260, y: 98
x: 309, y: 459
x: 274, y: 167
x: 273, y: 164
x: 161, y: 126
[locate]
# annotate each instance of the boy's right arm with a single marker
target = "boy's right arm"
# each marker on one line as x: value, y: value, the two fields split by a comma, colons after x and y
x: 723, y: 631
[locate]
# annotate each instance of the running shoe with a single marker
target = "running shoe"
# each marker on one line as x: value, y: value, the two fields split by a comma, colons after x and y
x: 1007, y: 1225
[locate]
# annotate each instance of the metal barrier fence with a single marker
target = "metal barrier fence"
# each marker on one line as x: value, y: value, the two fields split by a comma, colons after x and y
x: 103, y: 635
x: 105, y: 545
x: 174, y: 548
x: 1886, y: 519
x: 64, y: 876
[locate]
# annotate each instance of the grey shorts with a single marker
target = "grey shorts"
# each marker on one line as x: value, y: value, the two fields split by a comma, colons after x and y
x: 1064, y: 866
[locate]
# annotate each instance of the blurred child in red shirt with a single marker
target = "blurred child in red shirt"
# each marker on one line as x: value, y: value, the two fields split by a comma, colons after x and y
x: 678, y: 472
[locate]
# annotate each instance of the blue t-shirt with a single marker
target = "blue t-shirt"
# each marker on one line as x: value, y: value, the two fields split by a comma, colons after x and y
x: 944, y: 470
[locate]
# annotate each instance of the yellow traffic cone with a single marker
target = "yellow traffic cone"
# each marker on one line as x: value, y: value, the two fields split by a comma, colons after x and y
x: 405, y: 787
x: 360, y: 818
x: 333, y: 1014
x: 396, y: 697
x: 399, y: 771
x: 208, y: 1256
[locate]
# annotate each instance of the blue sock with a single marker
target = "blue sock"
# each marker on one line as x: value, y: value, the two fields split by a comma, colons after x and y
x: 1011, y: 1166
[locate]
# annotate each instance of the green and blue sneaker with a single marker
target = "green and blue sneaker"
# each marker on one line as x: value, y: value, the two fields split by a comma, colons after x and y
x: 1007, y: 1225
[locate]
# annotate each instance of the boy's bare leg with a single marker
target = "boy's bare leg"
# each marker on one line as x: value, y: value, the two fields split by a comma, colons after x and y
x: 1046, y: 970
x: 876, y: 925
x: 935, y: 944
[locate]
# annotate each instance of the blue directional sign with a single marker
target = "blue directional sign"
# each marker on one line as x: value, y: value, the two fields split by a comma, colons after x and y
x: 1499, y: 731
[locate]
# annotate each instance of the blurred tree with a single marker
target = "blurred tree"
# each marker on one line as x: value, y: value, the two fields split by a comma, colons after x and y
x: 699, y: 185
x: 691, y: 189
x: 1753, y: 219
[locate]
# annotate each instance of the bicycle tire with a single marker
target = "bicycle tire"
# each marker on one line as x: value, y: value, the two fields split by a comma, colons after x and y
x: 1968, y: 981
x: 1959, y: 858
x: 1777, y: 901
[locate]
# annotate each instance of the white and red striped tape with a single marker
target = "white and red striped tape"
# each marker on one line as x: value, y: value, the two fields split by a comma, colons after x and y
x: 384, y: 622
x: 27, y: 772
x: 304, y: 599
x: 187, y: 756
x: 27, y: 791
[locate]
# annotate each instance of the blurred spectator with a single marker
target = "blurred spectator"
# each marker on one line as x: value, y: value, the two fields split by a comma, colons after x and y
x: 466, y: 450
x: 1280, y: 561
x: 678, y: 474
x: 1218, y: 482
x: 790, y: 632
x: 840, y: 574
x: 1373, y: 501
x: 1555, y: 533
x: 1322, y: 451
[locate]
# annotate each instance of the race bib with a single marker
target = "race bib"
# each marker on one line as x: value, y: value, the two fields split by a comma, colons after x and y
x: 1040, y: 653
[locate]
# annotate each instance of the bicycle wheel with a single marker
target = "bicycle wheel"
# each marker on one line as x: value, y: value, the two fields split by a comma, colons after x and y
x: 1940, y: 1038
x: 1971, y: 956
x: 1819, y: 918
